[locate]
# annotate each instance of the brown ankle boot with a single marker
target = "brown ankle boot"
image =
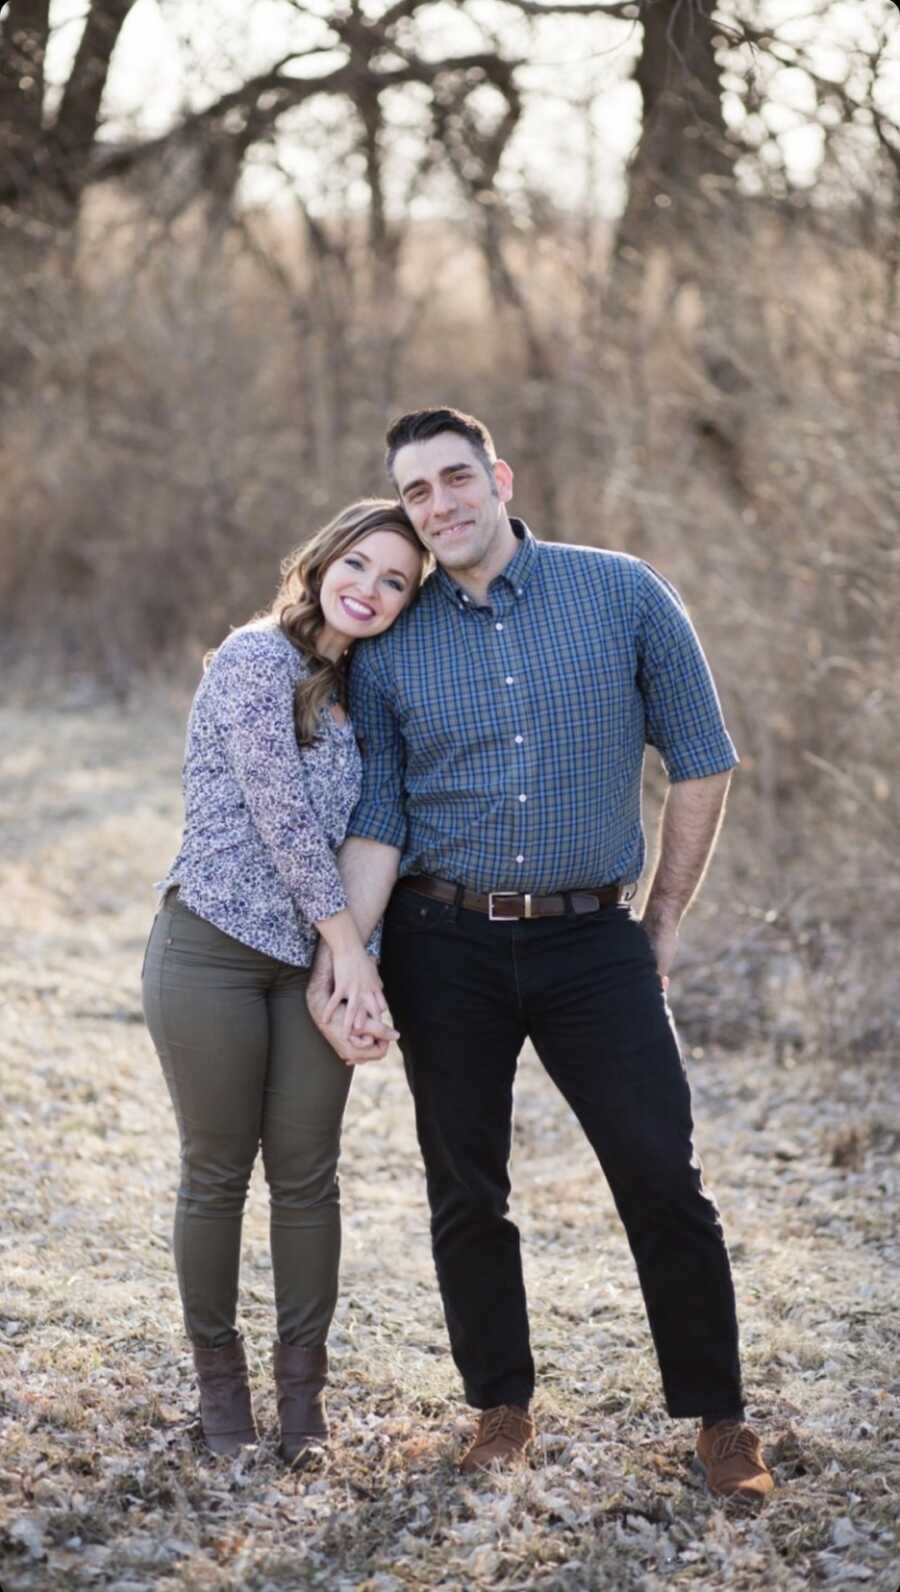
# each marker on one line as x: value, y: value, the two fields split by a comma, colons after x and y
x: 730, y: 1456
x: 300, y: 1377
x: 226, y: 1413
x: 503, y: 1438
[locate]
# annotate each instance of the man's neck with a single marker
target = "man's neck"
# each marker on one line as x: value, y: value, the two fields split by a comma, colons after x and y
x: 476, y: 581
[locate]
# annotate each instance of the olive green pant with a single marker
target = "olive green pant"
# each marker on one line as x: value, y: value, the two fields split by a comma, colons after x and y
x: 246, y: 1067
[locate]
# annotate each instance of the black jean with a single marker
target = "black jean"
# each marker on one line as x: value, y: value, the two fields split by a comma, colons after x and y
x: 465, y: 993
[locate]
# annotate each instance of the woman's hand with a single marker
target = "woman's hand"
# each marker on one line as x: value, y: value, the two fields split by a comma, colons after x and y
x: 370, y: 1045
x: 354, y: 978
x: 356, y: 981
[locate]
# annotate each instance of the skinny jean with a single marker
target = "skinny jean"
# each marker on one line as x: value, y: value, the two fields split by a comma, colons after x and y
x: 465, y: 994
x: 246, y: 1068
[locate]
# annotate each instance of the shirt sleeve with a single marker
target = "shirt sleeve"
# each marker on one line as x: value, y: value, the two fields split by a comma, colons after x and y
x: 682, y: 713
x: 380, y: 813
x: 253, y: 704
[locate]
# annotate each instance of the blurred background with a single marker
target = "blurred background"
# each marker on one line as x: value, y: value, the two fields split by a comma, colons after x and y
x: 656, y: 246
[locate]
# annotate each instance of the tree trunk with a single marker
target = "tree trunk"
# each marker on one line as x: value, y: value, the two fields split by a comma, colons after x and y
x: 42, y: 170
x: 682, y: 229
x: 685, y: 153
x: 79, y: 110
x: 23, y: 44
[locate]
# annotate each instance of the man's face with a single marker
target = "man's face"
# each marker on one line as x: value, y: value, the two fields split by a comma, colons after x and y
x: 454, y: 500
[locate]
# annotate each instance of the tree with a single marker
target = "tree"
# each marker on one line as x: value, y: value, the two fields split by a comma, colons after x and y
x: 471, y: 101
x: 49, y: 160
x: 45, y: 167
x: 685, y: 150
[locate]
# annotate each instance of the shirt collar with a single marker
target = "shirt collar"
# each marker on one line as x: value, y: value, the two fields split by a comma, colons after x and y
x: 515, y: 575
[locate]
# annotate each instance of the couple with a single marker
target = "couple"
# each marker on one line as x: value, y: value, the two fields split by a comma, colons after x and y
x: 489, y: 833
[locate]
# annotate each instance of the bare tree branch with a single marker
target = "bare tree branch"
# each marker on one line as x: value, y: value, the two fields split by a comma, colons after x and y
x: 79, y: 109
x: 271, y: 94
x: 623, y: 10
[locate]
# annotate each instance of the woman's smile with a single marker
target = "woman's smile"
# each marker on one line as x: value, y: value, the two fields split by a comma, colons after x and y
x: 357, y: 609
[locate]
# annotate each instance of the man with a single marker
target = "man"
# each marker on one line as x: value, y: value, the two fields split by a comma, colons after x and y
x: 504, y: 720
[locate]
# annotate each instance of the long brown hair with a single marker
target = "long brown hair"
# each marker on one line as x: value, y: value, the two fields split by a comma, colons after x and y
x: 298, y: 610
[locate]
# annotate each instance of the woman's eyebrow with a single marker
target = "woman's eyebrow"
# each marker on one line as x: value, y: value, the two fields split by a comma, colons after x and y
x: 367, y: 560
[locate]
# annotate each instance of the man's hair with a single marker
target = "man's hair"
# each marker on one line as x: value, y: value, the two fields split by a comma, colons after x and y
x: 420, y: 425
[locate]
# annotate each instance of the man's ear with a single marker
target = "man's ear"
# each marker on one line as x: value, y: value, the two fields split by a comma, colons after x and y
x: 504, y: 478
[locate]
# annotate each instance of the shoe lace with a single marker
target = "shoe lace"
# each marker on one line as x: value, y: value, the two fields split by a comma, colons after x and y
x: 504, y: 1421
x: 736, y: 1440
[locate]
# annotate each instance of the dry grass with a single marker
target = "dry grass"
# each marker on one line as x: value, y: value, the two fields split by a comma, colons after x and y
x: 103, y: 1481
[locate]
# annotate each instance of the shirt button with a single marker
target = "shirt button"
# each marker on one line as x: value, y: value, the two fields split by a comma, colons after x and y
x: 519, y: 739
x: 509, y: 679
x: 520, y: 858
x: 518, y: 591
x: 498, y: 627
x: 523, y: 797
x: 465, y: 599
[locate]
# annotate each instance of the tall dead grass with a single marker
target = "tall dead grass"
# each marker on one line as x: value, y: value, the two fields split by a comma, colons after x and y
x: 191, y: 409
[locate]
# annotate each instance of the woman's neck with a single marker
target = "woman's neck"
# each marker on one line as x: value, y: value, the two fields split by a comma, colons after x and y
x: 331, y: 643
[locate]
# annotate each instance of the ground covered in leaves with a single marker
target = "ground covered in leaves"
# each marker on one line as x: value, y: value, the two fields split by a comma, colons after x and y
x: 102, y: 1480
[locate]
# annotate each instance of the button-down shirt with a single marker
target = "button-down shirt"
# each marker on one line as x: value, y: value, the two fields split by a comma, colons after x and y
x: 503, y: 743
x: 262, y: 818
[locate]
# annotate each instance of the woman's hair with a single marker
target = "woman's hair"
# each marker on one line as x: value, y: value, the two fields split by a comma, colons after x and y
x: 298, y: 610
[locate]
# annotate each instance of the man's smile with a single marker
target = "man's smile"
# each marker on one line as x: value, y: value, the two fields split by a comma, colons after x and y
x: 456, y: 529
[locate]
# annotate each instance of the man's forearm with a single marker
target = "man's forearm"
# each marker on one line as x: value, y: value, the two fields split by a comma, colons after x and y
x: 369, y: 872
x: 691, y: 819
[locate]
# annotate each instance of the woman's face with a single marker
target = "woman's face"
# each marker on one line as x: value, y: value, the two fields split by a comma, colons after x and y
x: 364, y: 590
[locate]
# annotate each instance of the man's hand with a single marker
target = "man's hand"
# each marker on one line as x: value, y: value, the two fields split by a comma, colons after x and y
x: 690, y: 823
x: 662, y: 933
x: 369, y: 1044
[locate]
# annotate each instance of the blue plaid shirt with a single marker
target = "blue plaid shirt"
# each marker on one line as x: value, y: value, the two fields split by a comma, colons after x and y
x: 503, y: 745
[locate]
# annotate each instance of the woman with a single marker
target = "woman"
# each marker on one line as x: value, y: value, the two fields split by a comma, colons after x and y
x: 271, y: 776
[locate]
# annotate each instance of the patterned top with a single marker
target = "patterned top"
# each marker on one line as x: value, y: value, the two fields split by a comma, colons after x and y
x: 503, y: 744
x: 263, y: 818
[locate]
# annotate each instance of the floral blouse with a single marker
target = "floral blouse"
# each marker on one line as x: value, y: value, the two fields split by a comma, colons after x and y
x: 263, y: 818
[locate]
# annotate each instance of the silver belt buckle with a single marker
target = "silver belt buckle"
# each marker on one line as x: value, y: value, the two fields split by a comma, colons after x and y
x: 505, y: 895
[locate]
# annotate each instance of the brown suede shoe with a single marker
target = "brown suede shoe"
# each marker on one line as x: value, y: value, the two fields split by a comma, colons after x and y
x: 226, y: 1413
x: 503, y: 1437
x: 300, y: 1376
x: 731, y: 1458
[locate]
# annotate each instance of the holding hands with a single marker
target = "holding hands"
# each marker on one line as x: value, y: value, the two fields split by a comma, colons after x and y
x: 347, y: 1003
x: 356, y: 994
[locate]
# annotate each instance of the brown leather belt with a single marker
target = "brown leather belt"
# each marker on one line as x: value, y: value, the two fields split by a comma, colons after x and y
x: 506, y: 906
